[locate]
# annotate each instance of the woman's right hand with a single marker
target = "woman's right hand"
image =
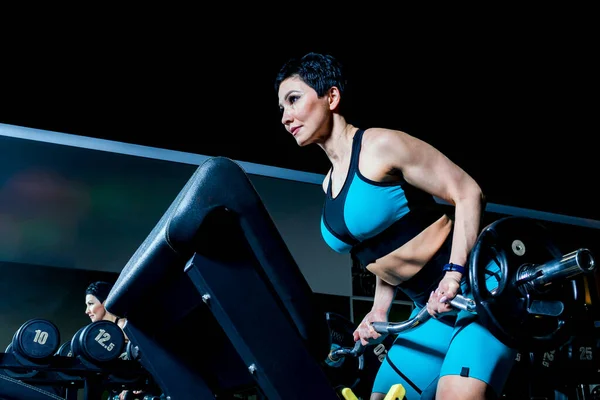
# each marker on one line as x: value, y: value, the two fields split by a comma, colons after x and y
x: 439, y: 300
x: 365, y: 332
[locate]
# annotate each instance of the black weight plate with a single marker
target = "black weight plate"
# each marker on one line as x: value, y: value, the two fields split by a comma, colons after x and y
x: 36, y: 339
x: 508, y: 244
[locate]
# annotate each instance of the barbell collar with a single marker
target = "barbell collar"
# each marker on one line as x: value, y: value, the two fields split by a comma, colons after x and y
x: 464, y: 303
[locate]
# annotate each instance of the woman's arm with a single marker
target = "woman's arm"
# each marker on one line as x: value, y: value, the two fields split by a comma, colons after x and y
x: 426, y: 168
x: 382, y: 301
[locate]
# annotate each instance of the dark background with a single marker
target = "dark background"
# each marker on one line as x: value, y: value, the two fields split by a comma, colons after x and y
x: 508, y: 94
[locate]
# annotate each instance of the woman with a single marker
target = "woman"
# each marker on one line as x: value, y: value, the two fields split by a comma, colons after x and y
x: 380, y: 208
x: 95, y: 296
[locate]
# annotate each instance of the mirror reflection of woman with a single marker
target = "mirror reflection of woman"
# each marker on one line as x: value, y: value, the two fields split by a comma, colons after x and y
x: 95, y: 296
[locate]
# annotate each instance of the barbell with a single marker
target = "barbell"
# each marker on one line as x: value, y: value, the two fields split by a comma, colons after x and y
x: 532, y: 303
x: 531, y: 307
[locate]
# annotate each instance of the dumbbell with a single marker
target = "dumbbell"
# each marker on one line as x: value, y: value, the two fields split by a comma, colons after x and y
x: 64, y: 350
x: 32, y: 344
x: 36, y: 340
x: 99, y: 342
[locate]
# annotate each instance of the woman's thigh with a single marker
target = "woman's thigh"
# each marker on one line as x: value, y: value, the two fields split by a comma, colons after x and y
x: 415, y: 358
x: 474, y: 352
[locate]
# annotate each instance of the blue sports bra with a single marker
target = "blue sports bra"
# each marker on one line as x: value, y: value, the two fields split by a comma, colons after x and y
x: 370, y: 219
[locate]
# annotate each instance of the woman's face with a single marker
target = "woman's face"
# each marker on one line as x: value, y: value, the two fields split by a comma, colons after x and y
x: 304, y: 114
x: 93, y: 308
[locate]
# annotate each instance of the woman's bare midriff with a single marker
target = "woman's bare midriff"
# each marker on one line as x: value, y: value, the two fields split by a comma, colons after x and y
x: 404, y: 262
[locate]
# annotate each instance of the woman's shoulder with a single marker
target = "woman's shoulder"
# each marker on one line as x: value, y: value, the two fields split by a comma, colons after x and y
x: 121, y: 322
x: 384, y: 138
x: 379, y: 132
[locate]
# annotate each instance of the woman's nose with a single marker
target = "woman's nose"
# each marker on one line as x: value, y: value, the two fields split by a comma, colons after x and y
x: 285, y: 116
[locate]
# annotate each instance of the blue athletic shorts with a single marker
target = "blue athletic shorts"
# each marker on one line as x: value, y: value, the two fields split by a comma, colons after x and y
x: 434, y: 349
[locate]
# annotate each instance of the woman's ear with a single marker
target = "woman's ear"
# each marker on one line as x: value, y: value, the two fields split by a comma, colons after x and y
x: 334, y: 96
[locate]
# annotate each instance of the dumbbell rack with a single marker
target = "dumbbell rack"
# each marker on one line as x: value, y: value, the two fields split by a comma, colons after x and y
x: 71, y: 374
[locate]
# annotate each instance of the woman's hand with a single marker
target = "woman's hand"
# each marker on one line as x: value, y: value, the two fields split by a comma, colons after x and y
x: 365, y: 332
x: 439, y: 300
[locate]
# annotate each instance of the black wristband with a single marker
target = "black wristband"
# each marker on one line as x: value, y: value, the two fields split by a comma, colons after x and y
x: 454, y: 267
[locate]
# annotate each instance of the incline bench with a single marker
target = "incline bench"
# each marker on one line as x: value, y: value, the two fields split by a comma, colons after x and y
x: 215, y: 301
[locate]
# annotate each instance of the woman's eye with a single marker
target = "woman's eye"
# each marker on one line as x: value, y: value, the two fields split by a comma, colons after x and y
x: 290, y: 100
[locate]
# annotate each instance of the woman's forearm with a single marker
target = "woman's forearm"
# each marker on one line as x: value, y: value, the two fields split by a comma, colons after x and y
x: 384, y: 295
x: 468, y: 215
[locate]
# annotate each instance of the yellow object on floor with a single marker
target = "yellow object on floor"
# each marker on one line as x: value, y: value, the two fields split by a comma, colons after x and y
x: 396, y: 392
x: 348, y: 394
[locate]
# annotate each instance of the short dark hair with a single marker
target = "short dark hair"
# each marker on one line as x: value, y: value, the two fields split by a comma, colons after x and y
x: 319, y: 71
x: 99, y: 289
